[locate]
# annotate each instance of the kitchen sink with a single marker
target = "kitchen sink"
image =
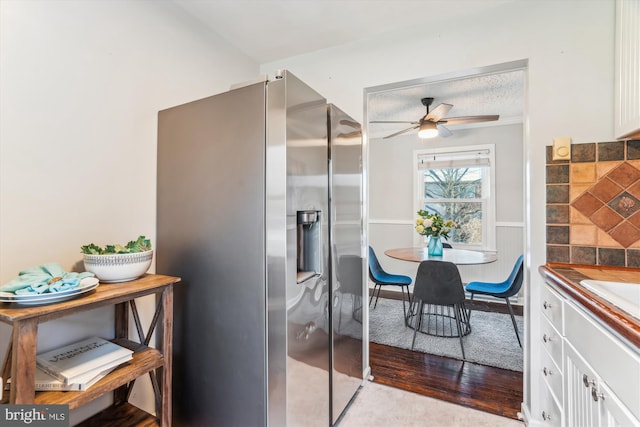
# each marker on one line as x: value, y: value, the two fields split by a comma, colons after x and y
x: 623, y: 295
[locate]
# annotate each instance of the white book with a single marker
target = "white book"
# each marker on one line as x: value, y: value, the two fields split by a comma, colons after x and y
x: 70, y: 363
x: 45, y: 382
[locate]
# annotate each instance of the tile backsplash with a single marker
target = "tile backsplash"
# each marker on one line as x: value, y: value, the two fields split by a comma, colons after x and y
x: 593, y: 205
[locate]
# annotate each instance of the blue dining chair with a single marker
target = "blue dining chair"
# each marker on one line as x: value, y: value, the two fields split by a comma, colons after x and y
x: 381, y: 278
x: 506, y: 289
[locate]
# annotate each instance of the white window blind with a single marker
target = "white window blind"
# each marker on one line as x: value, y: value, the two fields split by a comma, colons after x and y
x: 457, y: 159
x: 459, y: 183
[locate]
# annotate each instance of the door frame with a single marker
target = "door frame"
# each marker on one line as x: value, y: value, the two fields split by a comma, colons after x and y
x: 443, y: 78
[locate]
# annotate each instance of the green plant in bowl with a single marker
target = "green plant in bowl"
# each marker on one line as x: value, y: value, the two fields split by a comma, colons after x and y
x: 142, y: 244
x: 118, y: 263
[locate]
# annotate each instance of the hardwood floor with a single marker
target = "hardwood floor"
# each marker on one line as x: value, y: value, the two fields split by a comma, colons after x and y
x: 494, y: 390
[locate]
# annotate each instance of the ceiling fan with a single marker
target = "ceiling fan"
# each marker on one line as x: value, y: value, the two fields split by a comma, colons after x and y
x: 432, y: 124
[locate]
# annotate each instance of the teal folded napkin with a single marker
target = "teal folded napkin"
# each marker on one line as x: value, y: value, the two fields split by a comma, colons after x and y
x: 45, y: 278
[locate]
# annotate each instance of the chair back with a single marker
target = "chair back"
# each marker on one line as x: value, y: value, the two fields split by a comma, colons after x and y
x: 515, y: 279
x: 438, y: 282
x: 375, y: 270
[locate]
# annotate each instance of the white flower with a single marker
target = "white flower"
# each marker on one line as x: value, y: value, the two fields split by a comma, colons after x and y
x: 428, y: 222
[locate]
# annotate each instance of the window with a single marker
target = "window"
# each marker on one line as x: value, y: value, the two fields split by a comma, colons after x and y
x: 458, y: 184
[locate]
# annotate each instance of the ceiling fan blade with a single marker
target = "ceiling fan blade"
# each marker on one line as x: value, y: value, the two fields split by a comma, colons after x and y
x: 353, y: 134
x: 393, y: 121
x: 401, y: 132
x: 350, y: 123
x: 443, y: 131
x: 438, y: 113
x: 469, y: 119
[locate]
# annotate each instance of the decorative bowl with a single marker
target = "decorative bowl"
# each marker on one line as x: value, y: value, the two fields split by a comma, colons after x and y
x: 114, y: 268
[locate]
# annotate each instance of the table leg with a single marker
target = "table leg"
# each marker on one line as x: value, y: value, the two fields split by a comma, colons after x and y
x: 23, y: 361
x: 121, y: 394
x: 167, y: 352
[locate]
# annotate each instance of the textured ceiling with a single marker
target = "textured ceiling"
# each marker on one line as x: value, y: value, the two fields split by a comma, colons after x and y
x: 501, y: 93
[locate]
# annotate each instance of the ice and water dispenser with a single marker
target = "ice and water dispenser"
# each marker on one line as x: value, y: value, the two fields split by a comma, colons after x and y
x: 309, y: 244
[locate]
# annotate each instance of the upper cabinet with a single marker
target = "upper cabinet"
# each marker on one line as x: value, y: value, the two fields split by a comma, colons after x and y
x: 627, y: 69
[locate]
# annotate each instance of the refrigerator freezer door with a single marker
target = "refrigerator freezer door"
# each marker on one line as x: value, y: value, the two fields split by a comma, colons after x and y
x: 346, y: 235
x: 210, y: 218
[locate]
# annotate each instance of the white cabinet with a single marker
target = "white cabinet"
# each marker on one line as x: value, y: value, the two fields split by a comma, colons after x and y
x: 580, y: 408
x: 551, y: 371
x: 612, y: 412
x: 615, y: 363
x: 589, y: 402
x: 627, y: 69
x: 590, y: 377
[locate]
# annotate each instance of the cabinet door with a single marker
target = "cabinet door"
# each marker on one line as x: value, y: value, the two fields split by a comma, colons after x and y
x: 550, y: 412
x: 551, y: 341
x: 551, y: 374
x: 627, y: 69
x: 613, y: 413
x: 579, y: 407
x: 552, y: 307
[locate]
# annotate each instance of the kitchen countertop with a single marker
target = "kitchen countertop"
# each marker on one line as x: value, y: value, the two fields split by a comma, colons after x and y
x: 567, y: 277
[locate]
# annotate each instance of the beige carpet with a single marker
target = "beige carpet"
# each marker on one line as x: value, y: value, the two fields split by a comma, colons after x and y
x: 380, y: 406
x: 492, y: 340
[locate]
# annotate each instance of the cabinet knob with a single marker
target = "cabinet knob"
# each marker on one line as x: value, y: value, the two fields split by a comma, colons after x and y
x: 587, y: 382
x: 546, y: 305
x: 595, y: 395
x: 546, y: 338
x: 546, y: 371
x: 545, y: 416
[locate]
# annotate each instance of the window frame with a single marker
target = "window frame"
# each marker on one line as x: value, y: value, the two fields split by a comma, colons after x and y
x: 488, y: 202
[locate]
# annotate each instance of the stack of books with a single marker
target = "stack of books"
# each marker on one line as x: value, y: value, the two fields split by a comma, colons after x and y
x: 78, y: 366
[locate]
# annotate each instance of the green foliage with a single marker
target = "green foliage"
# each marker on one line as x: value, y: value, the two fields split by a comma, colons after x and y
x: 142, y: 244
x: 456, y: 193
x: 432, y: 224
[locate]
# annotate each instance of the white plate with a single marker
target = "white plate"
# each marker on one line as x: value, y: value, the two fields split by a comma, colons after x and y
x: 87, y: 284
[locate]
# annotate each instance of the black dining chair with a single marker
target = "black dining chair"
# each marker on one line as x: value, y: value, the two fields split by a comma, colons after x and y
x: 381, y: 278
x: 505, y: 289
x: 438, y: 287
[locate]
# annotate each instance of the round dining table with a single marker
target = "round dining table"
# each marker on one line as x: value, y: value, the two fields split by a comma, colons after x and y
x: 456, y: 256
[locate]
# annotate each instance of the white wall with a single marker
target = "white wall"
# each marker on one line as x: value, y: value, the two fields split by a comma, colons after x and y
x: 569, y: 45
x: 80, y: 87
x: 391, y: 209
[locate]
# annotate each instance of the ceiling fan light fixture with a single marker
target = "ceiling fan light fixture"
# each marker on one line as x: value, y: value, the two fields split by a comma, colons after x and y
x: 427, y: 130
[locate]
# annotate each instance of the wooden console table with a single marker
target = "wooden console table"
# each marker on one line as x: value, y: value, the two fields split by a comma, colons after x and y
x: 20, y: 360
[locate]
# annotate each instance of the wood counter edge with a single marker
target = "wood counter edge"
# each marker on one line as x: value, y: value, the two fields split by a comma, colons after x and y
x: 615, y: 319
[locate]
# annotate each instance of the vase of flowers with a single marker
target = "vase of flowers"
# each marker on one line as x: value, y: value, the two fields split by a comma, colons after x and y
x: 436, y: 227
x: 434, y: 248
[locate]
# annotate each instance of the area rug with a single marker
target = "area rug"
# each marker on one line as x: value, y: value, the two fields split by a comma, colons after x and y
x: 492, y: 340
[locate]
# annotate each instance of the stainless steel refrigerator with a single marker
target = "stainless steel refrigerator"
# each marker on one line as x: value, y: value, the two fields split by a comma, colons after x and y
x: 259, y: 210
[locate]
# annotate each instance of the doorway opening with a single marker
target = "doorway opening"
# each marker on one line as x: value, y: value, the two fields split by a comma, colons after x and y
x: 391, y: 145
